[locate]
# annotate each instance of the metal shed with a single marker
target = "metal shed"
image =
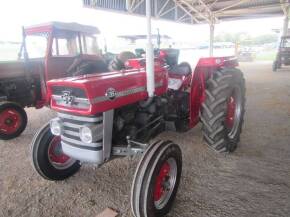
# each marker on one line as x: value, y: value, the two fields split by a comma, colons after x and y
x: 192, y: 12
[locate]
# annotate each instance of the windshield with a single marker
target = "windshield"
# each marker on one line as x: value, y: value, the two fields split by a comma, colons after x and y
x: 65, y: 43
x: 90, y: 45
x: 69, y: 44
x: 36, y: 46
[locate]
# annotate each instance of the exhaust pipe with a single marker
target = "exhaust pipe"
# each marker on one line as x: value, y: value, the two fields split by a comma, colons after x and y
x: 149, y: 54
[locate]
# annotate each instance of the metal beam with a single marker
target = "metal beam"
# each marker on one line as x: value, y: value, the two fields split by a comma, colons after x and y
x: 137, y: 5
x: 186, y: 11
x: 166, y: 12
x: 194, y: 10
x: 207, y: 8
x: 238, y: 2
x: 163, y: 7
x: 211, y: 38
x: 245, y: 11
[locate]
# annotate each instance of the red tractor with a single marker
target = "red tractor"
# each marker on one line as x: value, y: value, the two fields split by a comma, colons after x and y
x: 47, y: 52
x: 106, y: 115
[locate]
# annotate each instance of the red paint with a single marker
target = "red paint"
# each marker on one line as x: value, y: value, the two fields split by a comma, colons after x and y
x: 230, y: 61
x: 96, y: 86
x: 135, y: 63
x: 38, y: 29
x: 230, y: 118
x: 55, y: 153
x: 161, y: 179
x: 10, y: 121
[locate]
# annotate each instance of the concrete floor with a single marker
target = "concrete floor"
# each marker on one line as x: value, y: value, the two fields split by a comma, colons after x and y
x: 252, y: 182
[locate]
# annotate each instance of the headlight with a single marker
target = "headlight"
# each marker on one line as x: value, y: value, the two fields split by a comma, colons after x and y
x: 56, y: 127
x: 86, y: 134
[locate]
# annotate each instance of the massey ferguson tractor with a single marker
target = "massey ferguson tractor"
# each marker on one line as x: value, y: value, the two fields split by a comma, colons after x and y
x: 110, y: 114
x: 48, y: 51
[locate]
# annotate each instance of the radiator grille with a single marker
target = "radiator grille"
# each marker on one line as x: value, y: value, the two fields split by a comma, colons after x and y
x: 72, y: 125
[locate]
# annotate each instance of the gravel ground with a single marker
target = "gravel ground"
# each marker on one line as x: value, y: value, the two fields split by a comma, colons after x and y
x: 254, y: 181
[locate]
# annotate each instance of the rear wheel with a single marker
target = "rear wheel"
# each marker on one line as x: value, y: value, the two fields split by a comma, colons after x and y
x: 48, y: 159
x: 13, y: 120
x: 156, y: 180
x: 223, y: 111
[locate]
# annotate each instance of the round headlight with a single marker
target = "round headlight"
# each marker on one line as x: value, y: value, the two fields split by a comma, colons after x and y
x: 55, y: 127
x: 86, y: 135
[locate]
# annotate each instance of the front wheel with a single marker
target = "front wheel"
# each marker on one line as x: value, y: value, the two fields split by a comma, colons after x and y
x: 156, y: 180
x: 223, y: 111
x: 48, y: 159
x: 13, y: 120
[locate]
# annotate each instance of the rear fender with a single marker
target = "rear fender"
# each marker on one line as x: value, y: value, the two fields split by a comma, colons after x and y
x: 203, y: 71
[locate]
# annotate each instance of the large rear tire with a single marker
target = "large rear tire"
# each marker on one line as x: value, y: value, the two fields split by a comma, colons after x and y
x: 13, y: 120
x: 223, y: 111
x: 48, y: 159
x: 156, y: 180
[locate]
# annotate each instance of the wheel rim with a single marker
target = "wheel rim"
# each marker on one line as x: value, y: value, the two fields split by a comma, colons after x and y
x: 56, y: 157
x: 165, y: 183
x: 233, y: 117
x: 10, y: 121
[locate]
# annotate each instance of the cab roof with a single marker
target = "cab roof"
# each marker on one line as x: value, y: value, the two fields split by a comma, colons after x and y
x: 48, y: 27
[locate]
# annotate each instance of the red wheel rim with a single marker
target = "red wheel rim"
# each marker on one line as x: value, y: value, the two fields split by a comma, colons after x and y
x: 10, y: 121
x: 161, y: 181
x: 165, y: 183
x: 231, y: 110
x: 55, y: 154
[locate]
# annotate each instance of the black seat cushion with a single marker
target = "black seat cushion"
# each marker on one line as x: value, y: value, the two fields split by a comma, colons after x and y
x: 181, y: 69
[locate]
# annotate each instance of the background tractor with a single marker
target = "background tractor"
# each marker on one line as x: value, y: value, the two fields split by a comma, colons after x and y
x: 106, y: 115
x: 283, y: 55
x: 48, y: 51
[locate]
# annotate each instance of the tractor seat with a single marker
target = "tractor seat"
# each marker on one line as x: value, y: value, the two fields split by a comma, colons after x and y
x: 182, y: 69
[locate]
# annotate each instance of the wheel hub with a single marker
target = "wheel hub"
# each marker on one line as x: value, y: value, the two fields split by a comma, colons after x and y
x: 55, y: 154
x: 10, y: 121
x: 162, y: 184
x: 231, y: 112
x: 234, y: 112
x: 165, y: 183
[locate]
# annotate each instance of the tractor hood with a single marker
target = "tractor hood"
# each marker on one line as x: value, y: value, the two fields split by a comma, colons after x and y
x: 96, y: 93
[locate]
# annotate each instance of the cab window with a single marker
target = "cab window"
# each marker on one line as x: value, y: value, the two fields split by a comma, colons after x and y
x: 66, y: 44
x: 90, y: 45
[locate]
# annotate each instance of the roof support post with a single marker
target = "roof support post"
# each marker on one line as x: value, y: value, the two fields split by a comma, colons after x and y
x: 286, y: 23
x: 211, y: 37
x: 149, y: 53
x: 285, y: 26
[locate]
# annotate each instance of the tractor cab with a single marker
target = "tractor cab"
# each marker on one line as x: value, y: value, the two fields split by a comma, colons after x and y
x: 48, y: 51
x: 58, y: 45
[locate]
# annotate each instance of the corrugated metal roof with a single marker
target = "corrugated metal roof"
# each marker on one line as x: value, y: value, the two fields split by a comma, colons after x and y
x: 196, y: 11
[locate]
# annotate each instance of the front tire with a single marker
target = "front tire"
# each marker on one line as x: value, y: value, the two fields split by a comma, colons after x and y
x: 13, y: 120
x: 223, y: 111
x: 48, y: 159
x: 156, y: 180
